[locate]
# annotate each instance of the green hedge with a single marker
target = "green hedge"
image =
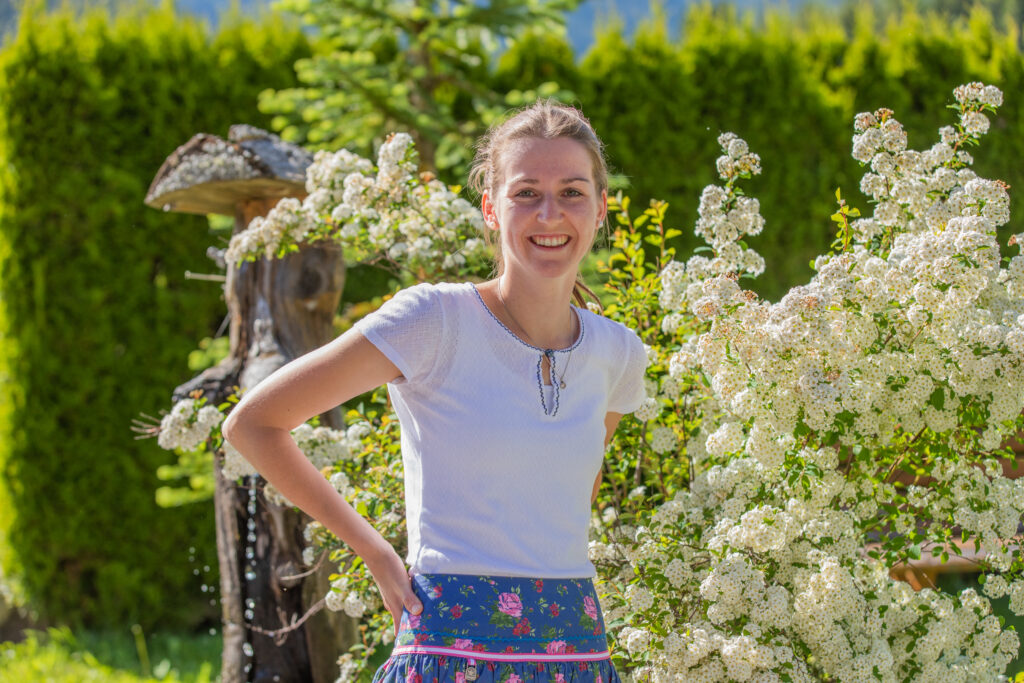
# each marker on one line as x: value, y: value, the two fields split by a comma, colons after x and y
x: 96, y: 317
x: 790, y: 85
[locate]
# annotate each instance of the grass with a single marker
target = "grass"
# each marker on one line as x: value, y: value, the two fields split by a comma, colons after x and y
x: 128, y: 656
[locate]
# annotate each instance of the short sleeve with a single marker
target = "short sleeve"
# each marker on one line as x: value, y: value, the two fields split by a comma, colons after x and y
x: 408, y: 329
x: 628, y: 393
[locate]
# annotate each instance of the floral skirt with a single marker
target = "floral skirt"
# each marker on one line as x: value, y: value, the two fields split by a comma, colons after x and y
x: 501, y: 629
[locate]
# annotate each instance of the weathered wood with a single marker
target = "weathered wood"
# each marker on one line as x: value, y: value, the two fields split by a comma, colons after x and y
x: 278, y: 310
x: 211, y: 175
x: 233, y: 631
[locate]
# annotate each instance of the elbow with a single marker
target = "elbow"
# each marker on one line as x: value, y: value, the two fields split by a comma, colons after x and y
x: 229, y: 428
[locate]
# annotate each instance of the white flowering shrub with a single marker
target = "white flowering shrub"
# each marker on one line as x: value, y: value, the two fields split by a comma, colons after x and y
x: 188, y: 425
x: 386, y: 215
x: 790, y: 456
x: 833, y: 437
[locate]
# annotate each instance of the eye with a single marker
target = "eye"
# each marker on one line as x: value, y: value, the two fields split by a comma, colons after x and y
x: 525, y: 192
x: 573, y: 192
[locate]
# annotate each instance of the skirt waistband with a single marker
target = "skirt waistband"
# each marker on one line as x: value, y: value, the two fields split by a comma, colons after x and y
x: 504, y: 618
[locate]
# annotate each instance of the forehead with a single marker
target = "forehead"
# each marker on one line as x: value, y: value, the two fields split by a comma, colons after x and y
x: 540, y: 159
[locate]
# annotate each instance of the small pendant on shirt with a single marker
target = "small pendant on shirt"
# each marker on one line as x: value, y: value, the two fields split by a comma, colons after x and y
x: 561, y: 384
x: 471, y: 674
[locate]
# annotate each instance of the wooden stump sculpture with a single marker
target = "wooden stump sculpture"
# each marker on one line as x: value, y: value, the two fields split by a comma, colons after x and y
x: 279, y: 310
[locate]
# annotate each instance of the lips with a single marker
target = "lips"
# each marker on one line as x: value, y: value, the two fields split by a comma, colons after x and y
x: 550, y: 240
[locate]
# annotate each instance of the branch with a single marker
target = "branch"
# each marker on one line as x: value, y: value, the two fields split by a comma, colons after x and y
x: 312, y: 570
x: 281, y: 635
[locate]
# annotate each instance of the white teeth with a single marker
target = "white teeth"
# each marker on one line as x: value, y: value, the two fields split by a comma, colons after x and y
x: 550, y: 241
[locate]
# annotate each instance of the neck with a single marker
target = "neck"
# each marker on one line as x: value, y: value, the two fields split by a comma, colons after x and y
x: 540, y: 308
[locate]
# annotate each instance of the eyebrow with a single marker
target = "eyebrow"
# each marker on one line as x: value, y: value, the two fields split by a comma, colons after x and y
x: 534, y: 181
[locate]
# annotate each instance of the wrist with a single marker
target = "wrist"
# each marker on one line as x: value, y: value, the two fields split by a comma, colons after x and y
x: 380, y: 554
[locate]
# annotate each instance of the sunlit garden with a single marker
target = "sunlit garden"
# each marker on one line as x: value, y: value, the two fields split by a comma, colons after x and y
x: 810, y: 228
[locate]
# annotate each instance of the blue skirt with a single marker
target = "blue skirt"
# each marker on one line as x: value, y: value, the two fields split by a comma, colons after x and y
x: 501, y: 629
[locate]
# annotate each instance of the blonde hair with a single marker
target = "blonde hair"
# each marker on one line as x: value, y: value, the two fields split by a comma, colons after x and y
x: 546, y: 120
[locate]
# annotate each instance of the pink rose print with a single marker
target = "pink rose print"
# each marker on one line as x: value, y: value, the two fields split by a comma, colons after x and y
x: 539, y: 585
x: 437, y: 591
x: 457, y: 611
x: 599, y: 677
x: 460, y: 677
x: 559, y: 677
x: 462, y: 644
x: 412, y: 677
x: 556, y: 647
x: 555, y: 609
x: 589, y: 607
x: 510, y: 604
x: 513, y: 678
x: 414, y: 620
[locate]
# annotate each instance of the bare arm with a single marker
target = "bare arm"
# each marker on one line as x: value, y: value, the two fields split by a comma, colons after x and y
x: 260, y: 425
x: 611, y: 422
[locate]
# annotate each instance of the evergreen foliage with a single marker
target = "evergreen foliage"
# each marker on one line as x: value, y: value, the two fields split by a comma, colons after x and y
x: 421, y: 67
x: 790, y: 84
x: 96, y: 317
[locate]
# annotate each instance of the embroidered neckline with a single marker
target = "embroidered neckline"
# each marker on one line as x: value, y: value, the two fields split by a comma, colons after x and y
x: 551, y: 410
x: 568, y: 349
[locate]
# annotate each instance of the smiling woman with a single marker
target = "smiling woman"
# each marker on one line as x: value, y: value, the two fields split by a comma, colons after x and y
x: 507, y: 394
x: 547, y: 209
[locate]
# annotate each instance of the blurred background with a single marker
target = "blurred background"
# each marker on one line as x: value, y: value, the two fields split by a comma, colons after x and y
x: 108, y: 564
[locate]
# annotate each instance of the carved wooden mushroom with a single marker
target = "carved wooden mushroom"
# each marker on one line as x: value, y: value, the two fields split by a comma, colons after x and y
x: 279, y: 309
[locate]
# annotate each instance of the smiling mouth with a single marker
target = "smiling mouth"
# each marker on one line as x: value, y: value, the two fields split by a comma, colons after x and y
x: 544, y: 241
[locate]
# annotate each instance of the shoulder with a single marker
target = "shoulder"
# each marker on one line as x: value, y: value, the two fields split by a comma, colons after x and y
x: 430, y: 295
x: 611, y: 332
x: 414, y: 326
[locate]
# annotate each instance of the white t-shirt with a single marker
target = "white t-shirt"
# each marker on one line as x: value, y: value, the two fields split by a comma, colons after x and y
x: 499, y: 469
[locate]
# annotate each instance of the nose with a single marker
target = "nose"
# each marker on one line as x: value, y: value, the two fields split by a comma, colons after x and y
x: 548, y: 210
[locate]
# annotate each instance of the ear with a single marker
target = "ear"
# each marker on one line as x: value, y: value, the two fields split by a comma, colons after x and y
x: 602, y: 211
x: 488, y: 210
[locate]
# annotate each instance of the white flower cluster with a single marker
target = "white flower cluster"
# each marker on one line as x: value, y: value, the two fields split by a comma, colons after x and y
x: 348, y: 669
x: 726, y: 217
x: 902, y: 357
x: 343, y: 596
x: 190, y: 424
x: 383, y: 212
x: 325, y: 446
x: 187, y: 425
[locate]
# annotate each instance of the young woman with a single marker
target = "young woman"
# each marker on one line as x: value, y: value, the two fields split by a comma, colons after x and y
x: 507, y: 394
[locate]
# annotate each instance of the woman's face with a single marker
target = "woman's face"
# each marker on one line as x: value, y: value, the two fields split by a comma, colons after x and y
x: 546, y: 205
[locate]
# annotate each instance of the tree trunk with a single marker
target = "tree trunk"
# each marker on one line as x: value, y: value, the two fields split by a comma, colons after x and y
x: 279, y: 310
